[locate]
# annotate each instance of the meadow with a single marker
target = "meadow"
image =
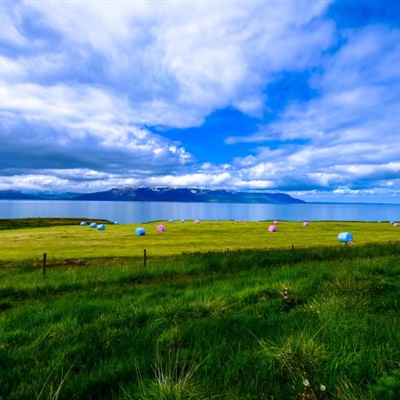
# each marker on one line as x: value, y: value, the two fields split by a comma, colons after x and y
x: 73, y: 241
x: 221, y: 310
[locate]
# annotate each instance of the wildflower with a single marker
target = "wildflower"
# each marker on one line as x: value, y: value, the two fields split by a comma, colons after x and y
x: 322, y: 387
x: 306, y: 383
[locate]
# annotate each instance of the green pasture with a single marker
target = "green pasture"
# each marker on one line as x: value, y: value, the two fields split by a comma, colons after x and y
x: 319, y: 323
x: 75, y: 241
x: 199, y: 322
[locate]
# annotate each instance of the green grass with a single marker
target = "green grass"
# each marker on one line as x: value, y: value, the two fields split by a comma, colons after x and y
x: 319, y: 322
x: 42, y: 222
x: 74, y: 241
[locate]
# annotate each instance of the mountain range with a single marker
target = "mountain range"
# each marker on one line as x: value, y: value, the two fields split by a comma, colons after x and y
x: 157, y: 194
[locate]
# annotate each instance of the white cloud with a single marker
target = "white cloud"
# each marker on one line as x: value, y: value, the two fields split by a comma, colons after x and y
x: 177, y: 62
x: 83, y: 77
x: 347, y: 133
x: 10, y: 70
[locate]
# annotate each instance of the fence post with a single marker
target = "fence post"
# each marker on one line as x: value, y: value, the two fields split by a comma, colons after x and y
x: 44, y: 264
x: 144, y: 258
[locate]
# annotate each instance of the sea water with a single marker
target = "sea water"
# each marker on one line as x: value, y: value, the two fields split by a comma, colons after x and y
x: 145, y: 211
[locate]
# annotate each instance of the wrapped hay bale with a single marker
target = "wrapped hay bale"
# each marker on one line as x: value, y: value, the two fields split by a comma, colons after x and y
x: 345, y: 237
x: 140, y: 231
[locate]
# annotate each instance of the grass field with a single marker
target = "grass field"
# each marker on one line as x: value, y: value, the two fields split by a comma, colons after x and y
x: 317, y: 322
x: 74, y: 241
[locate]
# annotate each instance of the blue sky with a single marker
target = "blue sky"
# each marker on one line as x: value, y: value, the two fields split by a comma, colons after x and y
x: 301, y: 97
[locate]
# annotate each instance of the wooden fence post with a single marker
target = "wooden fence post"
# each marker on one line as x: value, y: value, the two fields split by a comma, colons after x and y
x: 44, y: 264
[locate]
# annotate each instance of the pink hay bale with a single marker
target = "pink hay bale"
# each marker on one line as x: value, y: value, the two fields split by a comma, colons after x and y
x: 160, y: 228
x: 272, y: 228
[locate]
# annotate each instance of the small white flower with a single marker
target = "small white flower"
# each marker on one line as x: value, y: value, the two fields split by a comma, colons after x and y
x: 322, y: 387
x: 306, y: 383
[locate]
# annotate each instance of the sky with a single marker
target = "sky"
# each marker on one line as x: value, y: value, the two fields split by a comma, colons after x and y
x: 299, y: 97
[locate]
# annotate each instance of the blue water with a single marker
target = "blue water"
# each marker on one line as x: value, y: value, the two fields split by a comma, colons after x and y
x: 136, y: 212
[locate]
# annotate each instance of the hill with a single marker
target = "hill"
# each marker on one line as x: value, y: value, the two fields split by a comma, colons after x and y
x: 15, y: 195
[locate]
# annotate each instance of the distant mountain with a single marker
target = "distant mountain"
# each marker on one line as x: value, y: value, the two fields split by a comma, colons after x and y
x: 157, y: 194
x: 188, y: 195
x: 51, y: 195
x: 15, y: 195
x: 35, y: 195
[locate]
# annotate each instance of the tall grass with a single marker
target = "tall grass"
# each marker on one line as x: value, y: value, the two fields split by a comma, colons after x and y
x: 316, y: 323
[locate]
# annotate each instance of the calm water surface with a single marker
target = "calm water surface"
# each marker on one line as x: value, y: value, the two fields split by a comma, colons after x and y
x: 136, y: 212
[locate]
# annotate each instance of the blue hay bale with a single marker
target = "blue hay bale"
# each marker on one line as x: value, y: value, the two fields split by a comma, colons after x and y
x: 83, y: 223
x: 101, y: 227
x: 140, y: 231
x: 93, y: 225
x: 345, y: 237
x: 116, y: 223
